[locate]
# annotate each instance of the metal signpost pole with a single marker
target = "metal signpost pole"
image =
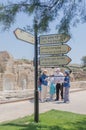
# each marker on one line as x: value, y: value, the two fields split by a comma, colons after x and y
x: 36, y: 103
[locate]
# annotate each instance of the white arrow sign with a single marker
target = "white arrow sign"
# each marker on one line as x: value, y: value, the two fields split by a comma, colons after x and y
x: 24, y: 36
x: 54, y: 38
x: 54, y: 49
x: 52, y: 61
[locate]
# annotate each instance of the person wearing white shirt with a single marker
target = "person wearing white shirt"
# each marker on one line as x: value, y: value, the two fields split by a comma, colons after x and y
x: 59, y: 80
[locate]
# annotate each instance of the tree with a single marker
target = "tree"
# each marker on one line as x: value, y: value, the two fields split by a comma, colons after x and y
x: 67, y: 13
x: 84, y: 60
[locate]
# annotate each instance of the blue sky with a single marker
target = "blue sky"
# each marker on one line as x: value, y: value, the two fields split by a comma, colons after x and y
x: 19, y: 49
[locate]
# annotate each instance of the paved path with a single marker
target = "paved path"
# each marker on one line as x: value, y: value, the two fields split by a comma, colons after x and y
x: 16, y: 110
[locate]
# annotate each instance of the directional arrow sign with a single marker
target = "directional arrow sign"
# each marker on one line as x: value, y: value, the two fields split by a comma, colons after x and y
x: 52, y: 61
x: 55, y: 49
x: 24, y: 36
x: 54, y: 38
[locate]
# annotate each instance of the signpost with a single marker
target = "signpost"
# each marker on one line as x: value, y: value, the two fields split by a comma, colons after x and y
x: 54, y: 38
x: 24, y: 36
x: 52, y: 61
x: 27, y: 37
x: 54, y: 49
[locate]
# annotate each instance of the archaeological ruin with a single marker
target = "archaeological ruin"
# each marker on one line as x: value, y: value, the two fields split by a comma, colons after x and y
x: 17, y: 77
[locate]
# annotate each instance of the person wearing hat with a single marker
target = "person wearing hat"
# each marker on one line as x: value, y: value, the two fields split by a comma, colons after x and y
x: 59, y: 80
x: 66, y: 86
x: 44, y: 84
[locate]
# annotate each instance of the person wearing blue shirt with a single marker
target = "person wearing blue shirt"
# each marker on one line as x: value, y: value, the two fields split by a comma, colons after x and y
x: 66, y: 86
x: 39, y: 87
x: 44, y: 84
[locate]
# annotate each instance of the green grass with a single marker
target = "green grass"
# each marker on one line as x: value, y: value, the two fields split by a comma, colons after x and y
x: 51, y: 120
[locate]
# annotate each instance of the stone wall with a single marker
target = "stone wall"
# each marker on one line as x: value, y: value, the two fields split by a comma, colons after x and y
x: 78, y: 84
x: 16, y: 74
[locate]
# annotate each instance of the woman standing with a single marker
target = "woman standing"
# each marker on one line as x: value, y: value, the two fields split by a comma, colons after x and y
x: 44, y: 84
x: 66, y: 86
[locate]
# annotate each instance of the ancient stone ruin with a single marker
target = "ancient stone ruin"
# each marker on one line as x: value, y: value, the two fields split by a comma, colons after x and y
x: 17, y: 77
x: 15, y: 74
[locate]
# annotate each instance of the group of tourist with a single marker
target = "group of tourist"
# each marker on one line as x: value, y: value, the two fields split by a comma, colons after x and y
x: 59, y: 84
